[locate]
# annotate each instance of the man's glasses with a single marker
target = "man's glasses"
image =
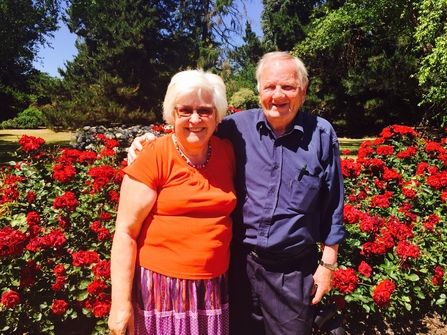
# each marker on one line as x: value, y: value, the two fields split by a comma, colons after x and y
x: 187, y: 112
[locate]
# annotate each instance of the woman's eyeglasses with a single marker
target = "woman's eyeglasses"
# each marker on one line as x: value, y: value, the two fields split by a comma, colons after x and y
x: 187, y: 112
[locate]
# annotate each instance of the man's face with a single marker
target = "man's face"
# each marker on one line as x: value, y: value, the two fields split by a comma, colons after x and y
x: 280, y: 93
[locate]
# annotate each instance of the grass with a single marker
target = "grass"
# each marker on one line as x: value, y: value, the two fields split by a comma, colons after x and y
x: 9, y: 140
x: 351, y: 144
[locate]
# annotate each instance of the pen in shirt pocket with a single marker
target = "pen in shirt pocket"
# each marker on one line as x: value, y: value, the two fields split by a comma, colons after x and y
x: 302, y: 172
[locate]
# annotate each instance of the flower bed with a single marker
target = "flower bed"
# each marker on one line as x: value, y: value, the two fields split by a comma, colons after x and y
x: 57, y: 211
x: 395, y: 212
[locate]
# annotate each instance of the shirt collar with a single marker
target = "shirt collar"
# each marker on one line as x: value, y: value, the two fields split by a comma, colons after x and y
x: 263, y: 126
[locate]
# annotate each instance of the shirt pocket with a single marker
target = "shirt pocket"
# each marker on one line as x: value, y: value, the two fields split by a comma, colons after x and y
x: 304, y: 191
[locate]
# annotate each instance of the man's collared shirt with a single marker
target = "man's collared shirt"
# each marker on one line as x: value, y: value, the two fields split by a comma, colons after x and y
x: 289, y: 188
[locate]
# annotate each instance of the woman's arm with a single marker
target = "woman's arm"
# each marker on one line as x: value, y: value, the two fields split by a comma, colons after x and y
x: 136, y: 201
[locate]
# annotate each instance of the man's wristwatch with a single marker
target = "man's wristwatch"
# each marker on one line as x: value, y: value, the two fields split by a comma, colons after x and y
x: 329, y: 266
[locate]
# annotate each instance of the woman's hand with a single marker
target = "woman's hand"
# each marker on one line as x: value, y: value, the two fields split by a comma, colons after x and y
x: 121, y: 319
x: 137, y: 145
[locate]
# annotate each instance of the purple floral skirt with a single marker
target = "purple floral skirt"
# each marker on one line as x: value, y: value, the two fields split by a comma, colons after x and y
x: 171, y: 306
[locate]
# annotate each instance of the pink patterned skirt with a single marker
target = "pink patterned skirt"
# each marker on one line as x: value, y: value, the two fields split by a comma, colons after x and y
x: 172, y: 306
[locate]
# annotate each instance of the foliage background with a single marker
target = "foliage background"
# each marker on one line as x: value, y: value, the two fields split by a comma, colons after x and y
x: 371, y: 63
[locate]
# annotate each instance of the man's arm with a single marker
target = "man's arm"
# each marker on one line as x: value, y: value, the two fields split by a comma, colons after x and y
x: 137, y: 145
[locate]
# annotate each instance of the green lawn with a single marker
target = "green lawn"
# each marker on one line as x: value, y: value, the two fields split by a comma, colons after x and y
x: 9, y: 141
x: 351, y: 144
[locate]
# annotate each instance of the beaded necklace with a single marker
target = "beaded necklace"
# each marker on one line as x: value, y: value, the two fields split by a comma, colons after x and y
x: 199, y: 166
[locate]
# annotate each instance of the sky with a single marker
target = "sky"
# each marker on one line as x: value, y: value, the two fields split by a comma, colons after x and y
x: 63, y: 45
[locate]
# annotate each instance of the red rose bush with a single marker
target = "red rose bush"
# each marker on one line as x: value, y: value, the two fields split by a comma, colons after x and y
x: 58, y: 207
x: 57, y: 211
x: 393, y: 261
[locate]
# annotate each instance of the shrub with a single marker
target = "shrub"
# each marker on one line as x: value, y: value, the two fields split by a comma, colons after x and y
x: 30, y: 118
x: 395, y: 212
x: 245, y: 99
x: 57, y: 211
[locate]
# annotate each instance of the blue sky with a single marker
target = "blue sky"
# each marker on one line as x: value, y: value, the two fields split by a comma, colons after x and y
x: 63, y: 45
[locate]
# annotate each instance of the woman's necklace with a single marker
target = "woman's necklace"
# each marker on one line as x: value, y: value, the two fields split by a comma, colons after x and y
x: 199, y: 166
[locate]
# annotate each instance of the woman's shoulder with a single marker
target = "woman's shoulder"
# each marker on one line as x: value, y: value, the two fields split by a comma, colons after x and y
x: 160, y: 143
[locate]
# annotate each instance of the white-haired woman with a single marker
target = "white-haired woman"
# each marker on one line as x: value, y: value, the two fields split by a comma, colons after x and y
x: 170, y: 251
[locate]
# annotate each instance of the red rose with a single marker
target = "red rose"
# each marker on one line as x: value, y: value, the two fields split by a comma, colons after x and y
x: 68, y: 201
x: 350, y: 214
x: 64, y: 173
x: 105, y: 216
x: 10, y: 299
x: 82, y: 258
x: 439, y: 271
x: 102, y: 233
x: 437, y: 281
x: 64, y: 221
x: 114, y: 196
x: 385, y: 150
x: 101, y: 309
x: 365, y: 269
x: 55, y: 239
x: 31, y: 143
x: 59, y: 307
x: 97, y: 286
x: 101, y: 175
x: 31, y: 196
x: 102, y: 269
x: 11, y: 242
x: 59, y: 283
x: 405, y: 249
x: 382, y: 293
x: 59, y: 270
x: 345, y: 280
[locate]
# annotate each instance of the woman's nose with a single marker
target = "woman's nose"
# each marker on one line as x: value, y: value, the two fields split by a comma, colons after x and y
x: 195, y: 118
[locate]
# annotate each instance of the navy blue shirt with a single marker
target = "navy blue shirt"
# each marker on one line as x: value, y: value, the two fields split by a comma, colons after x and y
x: 289, y: 188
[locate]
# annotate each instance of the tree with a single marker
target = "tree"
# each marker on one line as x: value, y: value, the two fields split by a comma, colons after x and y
x: 361, y: 59
x: 128, y: 50
x: 284, y: 22
x: 431, y: 35
x: 25, y: 26
x: 243, y: 63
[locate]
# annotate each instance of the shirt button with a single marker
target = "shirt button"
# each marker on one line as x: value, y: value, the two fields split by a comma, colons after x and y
x: 262, y: 233
x: 275, y: 167
x: 272, y: 190
x: 266, y: 211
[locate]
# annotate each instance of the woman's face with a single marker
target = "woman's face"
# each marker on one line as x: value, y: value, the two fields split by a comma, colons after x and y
x: 195, y: 120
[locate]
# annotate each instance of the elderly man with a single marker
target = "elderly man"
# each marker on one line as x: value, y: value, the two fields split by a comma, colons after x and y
x: 290, y: 201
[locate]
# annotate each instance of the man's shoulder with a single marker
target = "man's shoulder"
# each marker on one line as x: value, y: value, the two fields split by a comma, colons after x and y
x: 316, y: 121
x: 248, y: 114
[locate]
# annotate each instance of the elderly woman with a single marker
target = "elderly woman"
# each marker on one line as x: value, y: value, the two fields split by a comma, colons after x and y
x: 170, y: 251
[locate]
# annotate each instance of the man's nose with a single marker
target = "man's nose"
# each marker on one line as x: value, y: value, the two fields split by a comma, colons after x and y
x: 278, y: 92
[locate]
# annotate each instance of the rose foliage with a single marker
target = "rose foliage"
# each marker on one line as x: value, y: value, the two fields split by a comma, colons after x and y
x: 394, y: 259
x: 57, y: 212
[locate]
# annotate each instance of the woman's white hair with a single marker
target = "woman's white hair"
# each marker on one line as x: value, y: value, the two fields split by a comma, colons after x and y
x: 195, y: 81
x: 300, y: 67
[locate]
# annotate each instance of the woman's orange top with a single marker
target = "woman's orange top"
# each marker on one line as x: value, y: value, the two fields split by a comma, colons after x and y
x: 188, y: 231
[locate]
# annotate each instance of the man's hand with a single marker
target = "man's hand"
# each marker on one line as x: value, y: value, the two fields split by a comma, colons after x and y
x: 323, y: 277
x: 323, y: 283
x: 137, y: 145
